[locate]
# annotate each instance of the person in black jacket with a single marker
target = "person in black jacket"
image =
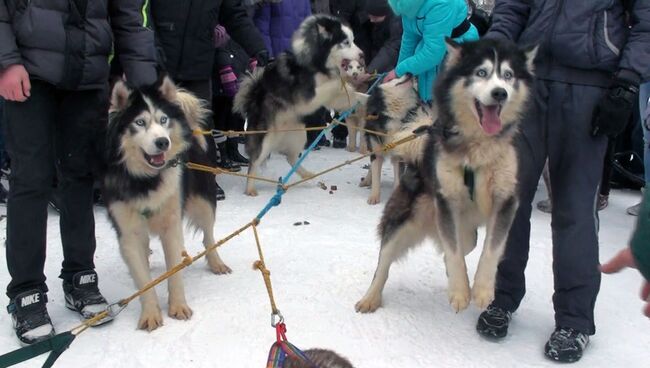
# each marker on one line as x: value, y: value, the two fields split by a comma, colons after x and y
x: 185, y: 35
x: 53, y: 74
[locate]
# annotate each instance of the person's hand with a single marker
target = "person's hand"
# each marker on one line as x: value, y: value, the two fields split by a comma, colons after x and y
x: 364, y: 77
x: 622, y: 260
x: 615, y: 108
x: 14, y: 83
x: 390, y: 76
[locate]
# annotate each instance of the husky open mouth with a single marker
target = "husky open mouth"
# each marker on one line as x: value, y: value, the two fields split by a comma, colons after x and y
x: 156, y: 161
x: 489, y: 117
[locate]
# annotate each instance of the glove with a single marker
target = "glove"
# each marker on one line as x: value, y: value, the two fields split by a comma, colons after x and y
x: 390, y: 76
x: 228, y: 81
x: 614, y: 110
x: 262, y: 58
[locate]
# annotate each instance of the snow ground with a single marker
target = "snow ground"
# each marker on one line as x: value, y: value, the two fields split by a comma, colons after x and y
x: 319, y: 271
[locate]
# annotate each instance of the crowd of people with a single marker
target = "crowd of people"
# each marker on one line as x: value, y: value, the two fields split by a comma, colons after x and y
x: 57, y: 60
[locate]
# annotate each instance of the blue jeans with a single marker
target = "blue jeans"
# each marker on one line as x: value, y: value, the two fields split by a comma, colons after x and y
x: 644, y: 95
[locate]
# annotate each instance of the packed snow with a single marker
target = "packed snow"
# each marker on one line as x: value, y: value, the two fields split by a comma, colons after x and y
x: 319, y: 270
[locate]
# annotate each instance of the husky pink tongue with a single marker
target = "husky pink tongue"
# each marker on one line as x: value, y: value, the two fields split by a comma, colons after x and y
x: 490, y: 120
x: 158, y: 159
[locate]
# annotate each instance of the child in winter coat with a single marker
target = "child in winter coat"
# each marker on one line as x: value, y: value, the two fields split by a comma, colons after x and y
x: 426, y: 23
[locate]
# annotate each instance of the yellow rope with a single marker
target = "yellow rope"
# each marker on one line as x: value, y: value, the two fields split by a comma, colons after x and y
x: 217, y: 170
x: 266, y: 274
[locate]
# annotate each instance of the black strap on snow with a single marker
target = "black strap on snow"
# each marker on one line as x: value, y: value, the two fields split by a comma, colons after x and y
x: 75, y: 45
x: 56, y: 345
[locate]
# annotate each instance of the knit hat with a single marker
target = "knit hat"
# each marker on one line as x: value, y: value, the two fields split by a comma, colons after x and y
x: 377, y: 8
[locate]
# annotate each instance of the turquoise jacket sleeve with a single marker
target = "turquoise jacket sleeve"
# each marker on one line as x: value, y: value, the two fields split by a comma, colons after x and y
x: 640, y: 243
x: 410, y: 41
x: 438, y: 23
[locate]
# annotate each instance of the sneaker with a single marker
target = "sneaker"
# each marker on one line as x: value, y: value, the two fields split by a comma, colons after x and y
x: 339, y: 143
x: 30, y: 319
x: 634, y: 210
x: 545, y: 206
x: 82, y: 295
x: 324, y: 142
x: 221, y: 195
x: 494, y: 322
x: 603, y: 202
x: 566, y: 345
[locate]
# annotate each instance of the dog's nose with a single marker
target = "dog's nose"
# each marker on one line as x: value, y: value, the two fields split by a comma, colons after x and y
x: 162, y: 143
x: 355, y: 74
x: 499, y: 94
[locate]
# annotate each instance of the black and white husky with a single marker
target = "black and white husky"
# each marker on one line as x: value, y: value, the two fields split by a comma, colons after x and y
x: 465, y: 175
x: 295, y: 85
x: 147, y: 191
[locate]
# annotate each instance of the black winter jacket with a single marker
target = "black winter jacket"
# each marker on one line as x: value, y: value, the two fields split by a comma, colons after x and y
x: 581, y: 42
x: 383, y: 45
x: 70, y: 49
x: 184, y: 30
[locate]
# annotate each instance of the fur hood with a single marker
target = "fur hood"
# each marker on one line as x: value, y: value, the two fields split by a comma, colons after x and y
x: 406, y: 8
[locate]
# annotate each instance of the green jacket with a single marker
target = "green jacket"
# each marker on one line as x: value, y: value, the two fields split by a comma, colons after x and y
x: 640, y: 243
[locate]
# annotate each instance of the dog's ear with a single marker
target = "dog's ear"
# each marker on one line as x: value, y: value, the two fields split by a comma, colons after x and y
x: 168, y: 89
x: 531, y: 53
x: 120, y: 96
x: 453, y: 51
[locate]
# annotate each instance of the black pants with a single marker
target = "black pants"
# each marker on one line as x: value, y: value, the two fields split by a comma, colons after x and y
x: 53, y: 132
x: 200, y: 88
x: 319, y: 118
x: 224, y: 117
x: 558, y: 127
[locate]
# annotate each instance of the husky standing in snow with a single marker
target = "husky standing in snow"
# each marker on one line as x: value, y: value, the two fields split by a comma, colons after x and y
x: 465, y: 175
x: 295, y: 85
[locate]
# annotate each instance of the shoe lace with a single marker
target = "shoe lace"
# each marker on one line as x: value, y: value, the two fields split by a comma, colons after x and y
x: 568, y: 338
x: 497, y: 313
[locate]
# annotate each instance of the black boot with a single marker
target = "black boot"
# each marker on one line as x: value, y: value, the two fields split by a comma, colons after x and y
x: 224, y: 161
x: 221, y: 195
x: 566, y: 345
x: 232, y: 149
x: 493, y: 322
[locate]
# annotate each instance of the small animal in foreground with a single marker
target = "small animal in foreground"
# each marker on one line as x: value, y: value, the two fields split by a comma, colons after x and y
x: 319, y: 358
x: 465, y: 176
x: 353, y: 72
x: 148, y: 190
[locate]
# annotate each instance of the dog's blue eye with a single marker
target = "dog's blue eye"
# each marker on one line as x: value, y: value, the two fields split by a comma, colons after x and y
x: 507, y: 75
x: 163, y: 120
x: 140, y: 122
x: 481, y: 73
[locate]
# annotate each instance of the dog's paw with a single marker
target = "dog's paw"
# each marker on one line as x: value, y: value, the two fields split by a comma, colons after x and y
x: 459, y: 300
x: 351, y: 148
x: 180, y: 311
x: 251, y: 192
x: 150, y: 319
x: 482, y: 295
x: 373, y: 199
x: 217, y: 266
x: 368, y: 304
x: 363, y: 151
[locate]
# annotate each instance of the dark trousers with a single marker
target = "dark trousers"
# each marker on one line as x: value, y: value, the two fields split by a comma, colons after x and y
x: 201, y: 89
x: 558, y: 127
x: 224, y: 117
x: 53, y: 133
x: 319, y: 118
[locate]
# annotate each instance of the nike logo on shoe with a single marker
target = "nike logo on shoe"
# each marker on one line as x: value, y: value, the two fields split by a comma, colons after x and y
x: 29, y: 300
x: 87, y: 279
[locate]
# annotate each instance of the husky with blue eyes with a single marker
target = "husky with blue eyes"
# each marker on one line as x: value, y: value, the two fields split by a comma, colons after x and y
x: 463, y: 174
x: 295, y: 85
x: 147, y: 189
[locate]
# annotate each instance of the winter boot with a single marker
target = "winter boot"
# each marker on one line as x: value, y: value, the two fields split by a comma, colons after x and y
x: 566, y: 345
x: 339, y: 143
x: 232, y: 149
x: 30, y: 319
x: 82, y: 295
x: 221, y: 195
x: 494, y: 322
x: 224, y: 160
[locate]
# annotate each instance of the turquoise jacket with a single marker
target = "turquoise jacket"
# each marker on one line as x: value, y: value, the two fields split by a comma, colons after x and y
x: 426, y: 23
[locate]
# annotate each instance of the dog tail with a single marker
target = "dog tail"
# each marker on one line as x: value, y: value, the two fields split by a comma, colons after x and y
x: 243, y: 98
x: 196, y: 113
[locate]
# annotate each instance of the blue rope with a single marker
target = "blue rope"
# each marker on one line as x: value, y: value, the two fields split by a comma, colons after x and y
x: 277, y: 198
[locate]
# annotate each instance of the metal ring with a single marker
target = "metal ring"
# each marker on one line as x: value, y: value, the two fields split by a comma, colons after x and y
x: 277, y: 314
